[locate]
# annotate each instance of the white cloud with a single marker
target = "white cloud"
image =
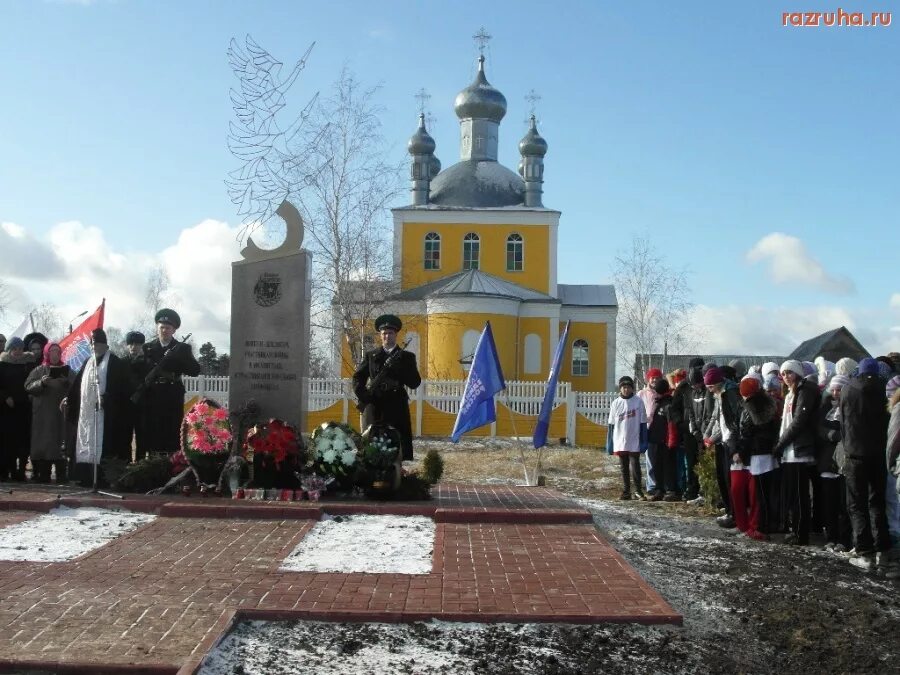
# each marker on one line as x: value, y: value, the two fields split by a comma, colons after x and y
x: 895, y: 301
x: 790, y: 263
x: 88, y: 268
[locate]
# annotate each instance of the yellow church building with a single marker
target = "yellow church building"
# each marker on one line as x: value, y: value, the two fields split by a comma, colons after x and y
x: 477, y: 244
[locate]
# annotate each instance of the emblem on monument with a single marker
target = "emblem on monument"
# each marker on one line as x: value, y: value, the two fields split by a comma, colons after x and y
x: 267, y: 290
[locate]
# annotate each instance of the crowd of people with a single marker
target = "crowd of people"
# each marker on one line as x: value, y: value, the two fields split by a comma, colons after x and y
x: 56, y: 423
x: 799, y: 448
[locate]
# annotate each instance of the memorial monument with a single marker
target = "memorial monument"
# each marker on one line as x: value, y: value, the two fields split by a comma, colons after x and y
x: 270, y: 300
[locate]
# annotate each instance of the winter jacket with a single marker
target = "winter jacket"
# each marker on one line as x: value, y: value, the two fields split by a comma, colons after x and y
x: 893, y: 448
x: 48, y: 428
x: 830, y: 449
x: 758, y: 426
x: 681, y: 410
x: 801, y: 432
x: 698, y: 412
x: 864, y: 417
x: 661, y: 429
x: 728, y: 405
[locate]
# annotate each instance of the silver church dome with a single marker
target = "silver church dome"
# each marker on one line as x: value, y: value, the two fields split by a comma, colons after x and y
x: 421, y: 143
x: 480, y: 100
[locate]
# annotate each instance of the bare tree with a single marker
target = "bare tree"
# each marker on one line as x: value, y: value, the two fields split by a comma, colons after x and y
x: 154, y: 297
x: 4, y: 299
x: 654, y: 300
x: 46, y: 320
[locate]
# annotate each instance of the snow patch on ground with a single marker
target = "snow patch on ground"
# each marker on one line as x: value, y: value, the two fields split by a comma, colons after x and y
x: 66, y: 533
x: 374, y: 544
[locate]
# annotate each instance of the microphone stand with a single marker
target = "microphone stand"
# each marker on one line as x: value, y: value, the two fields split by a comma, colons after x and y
x: 95, y: 490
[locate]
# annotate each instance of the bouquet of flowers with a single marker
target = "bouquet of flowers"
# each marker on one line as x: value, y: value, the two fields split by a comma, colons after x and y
x: 275, y: 441
x: 314, y: 485
x: 381, y: 459
x: 381, y: 453
x: 205, y: 430
x: 334, y: 451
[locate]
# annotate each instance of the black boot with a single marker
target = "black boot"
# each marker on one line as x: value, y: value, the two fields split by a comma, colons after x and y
x: 626, y: 477
x: 62, y: 475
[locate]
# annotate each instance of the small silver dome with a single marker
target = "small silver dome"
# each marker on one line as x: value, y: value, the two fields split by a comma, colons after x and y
x: 435, y: 166
x: 420, y: 143
x: 533, y: 144
x: 480, y: 100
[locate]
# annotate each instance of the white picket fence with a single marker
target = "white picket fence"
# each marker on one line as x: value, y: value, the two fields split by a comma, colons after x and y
x: 522, y: 397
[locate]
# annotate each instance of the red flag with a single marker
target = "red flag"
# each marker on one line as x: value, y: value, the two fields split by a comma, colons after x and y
x: 76, y: 346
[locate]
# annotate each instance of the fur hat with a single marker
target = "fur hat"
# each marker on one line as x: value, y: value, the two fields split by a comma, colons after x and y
x: 825, y: 370
x: 868, y: 366
x: 749, y: 386
x: 713, y: 376
x: 845, y: 366
x: 625, y: 380
x: 31, y: 338
x: 792, y: 366
x: 838, y: 382
x: 134, y: 337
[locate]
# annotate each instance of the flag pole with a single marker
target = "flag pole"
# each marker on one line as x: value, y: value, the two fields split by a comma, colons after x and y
x: 512, y: 421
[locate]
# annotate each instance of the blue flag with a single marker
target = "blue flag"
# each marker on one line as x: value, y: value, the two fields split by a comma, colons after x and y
x: 485, y: 379
x: 539, y: 438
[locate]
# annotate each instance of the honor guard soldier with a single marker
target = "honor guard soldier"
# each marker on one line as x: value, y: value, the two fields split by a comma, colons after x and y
x: 162, y: 391
x: 381, y: 379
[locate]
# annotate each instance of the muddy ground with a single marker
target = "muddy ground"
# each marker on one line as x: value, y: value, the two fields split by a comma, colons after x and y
x: 748, y: 606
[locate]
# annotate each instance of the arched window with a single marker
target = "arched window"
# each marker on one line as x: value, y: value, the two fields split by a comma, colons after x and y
x: 432, y: 251
x: 532, y: 353
x: 471, y: 251
x: 514, y: 253
x: 469, y: 342
x: 580, y: 357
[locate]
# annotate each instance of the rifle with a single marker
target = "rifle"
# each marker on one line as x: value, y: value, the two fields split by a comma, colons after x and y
x: 375, y: 382
x: 151, y: 376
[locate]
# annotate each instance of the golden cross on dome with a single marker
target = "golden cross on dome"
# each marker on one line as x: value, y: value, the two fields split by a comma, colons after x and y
x: 482, y: 37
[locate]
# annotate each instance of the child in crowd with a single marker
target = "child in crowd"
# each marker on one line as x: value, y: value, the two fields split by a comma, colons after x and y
x: 830, y: 463
x: 721, y: 433
x: 626, y: 436
x: 649, y: 397
x: 662, y: 435
x: 758, y: 433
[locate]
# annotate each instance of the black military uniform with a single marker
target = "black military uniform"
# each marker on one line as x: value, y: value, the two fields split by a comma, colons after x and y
x: 139, y: 367
x: 384, y: 396
x: 163, y: 395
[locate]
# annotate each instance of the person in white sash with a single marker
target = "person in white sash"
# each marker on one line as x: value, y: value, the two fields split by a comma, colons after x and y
x: 97, y: 401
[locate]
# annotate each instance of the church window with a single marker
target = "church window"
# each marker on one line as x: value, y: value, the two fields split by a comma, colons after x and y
x: 471, y: 251
x: 432, y: 251
x: 532, y: 354
x: 580, y: 357
x: 469, y: 342
x: 514, y: 253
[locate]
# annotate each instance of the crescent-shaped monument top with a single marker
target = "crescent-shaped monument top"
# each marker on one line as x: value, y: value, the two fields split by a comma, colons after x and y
x: 293, y: 237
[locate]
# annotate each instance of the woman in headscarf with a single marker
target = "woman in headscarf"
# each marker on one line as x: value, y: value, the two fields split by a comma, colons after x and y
x: 47, y: 385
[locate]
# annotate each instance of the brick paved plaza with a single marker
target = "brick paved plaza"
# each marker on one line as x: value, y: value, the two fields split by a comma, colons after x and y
x: 156, y: 599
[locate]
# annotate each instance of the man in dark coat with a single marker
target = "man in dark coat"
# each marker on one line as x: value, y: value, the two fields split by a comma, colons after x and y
x: 380, y: 382
x: 162, y: 393
x: 97, y: 405
x: 140, y: 367
x: 864, y: 423
x: 15, y: 410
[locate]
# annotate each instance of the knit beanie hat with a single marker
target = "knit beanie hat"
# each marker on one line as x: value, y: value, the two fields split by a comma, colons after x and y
x: 892, y: 385
x: 749, y: 386
x: 769, y: 367
x: 678, y: 375
x: 662, y: 386
x: 740, y: 368
x: 845, y: 366
x: 696, y: 377
x: 838, y: 382
x: 728, y: 373
x: 810, y: 372
x: 825, y: 370
x: 653, y: 372
x: 884, y: 370
x: 713, y: 376
x: 706, y: 366
x: 792, y: 366
x: 15, y: 343
x: 695, y: 362
x: 626, y: 380
x: 868, y: 366
x: 772, y: 383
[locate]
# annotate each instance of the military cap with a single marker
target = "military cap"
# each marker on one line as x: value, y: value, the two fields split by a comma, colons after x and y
x: 134, y: 337
x: 388, y: 321
x: 169, y: 316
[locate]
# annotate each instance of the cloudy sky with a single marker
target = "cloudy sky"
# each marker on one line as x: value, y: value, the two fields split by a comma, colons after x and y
x: 762, y: 157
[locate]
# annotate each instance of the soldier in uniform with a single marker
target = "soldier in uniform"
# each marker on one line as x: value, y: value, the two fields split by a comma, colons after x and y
x: 380, y: 389
x: 140, y: 367
x: 163, y: 392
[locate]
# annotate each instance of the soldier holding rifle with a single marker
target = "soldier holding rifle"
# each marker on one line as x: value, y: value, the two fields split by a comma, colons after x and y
x: 380, y: 382
x: 162, y: 392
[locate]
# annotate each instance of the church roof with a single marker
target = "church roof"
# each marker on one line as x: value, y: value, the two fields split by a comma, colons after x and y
x: 477, y: 183
x: 473, y: 282
x: 831, y: 345
x: 587, y: 295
